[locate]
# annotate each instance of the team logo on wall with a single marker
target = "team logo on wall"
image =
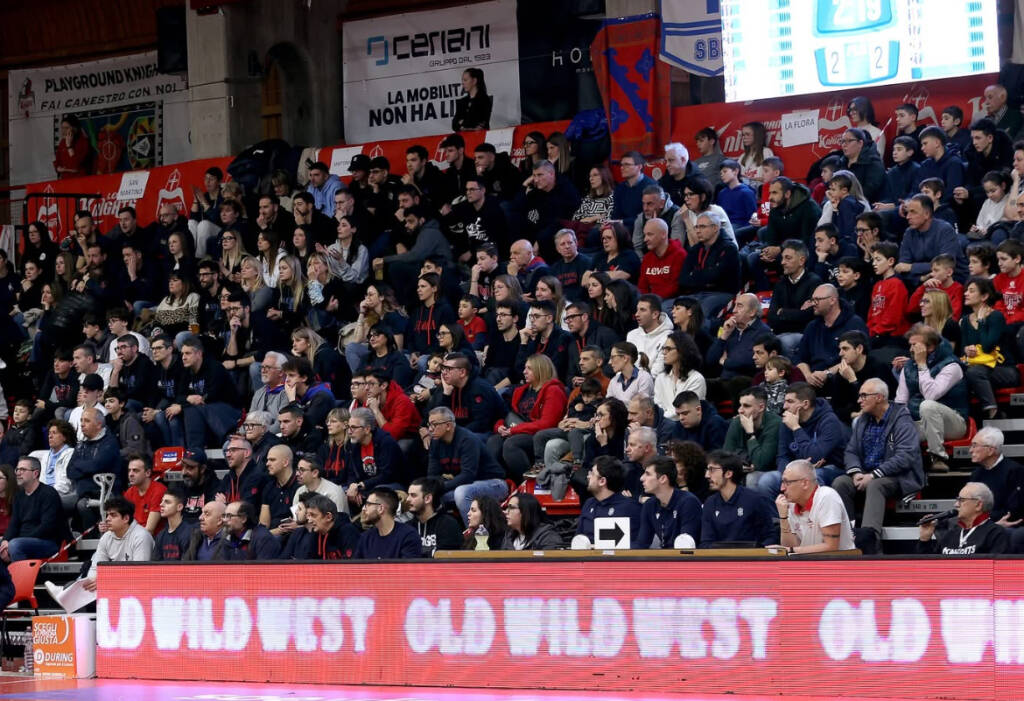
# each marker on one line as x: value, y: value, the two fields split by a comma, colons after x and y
x: 49, y: 213
x: 171, y: 193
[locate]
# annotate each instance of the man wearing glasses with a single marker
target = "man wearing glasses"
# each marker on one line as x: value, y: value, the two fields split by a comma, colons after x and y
x: 502, y: 347
x: 475, y: 403
x: 883, y: 458
x: 1005, y: 477
x: 975, y: 532
x: 460, y: 459
x: 479, y: 218
x: 385, y: 539
x: 244, y: 479
x: 270, y: 396
x: 372, y: 456
x: 246, y: 538
x: 542, y: 335
x: 813, y: 519
x: 819, y: 346
x: 37, y: 523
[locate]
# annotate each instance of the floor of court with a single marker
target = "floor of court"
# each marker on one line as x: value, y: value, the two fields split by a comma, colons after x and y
x: 30, y: 689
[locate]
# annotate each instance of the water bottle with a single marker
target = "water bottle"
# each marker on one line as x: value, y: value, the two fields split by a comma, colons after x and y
x: 481, y: 538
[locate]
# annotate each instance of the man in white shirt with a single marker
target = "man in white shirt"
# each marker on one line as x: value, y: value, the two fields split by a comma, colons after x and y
x: 124, y: 541
x: 813, y: 518
x: 308, y: 471
x: 652, y: 330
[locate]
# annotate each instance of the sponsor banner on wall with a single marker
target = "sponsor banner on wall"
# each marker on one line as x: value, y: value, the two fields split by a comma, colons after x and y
x: 147, y: 191
x: 691, y: 36
x: 134, y: 116
x: 403, y: 73
x: 916, y: 629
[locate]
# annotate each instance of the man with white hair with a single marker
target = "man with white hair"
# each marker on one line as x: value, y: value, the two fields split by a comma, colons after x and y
x: 883, y: 457
x: 655, y: 205
x: 677, y: 167
x: 270, y: 396
x: 711, y: 271
x: 812, y: 517
x: 996, y: 108
x: 733, y: 348
x: 1005, y: 477
x: 975, y: 532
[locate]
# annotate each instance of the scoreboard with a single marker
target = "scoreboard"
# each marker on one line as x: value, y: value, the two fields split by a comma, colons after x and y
x: 773, y: 48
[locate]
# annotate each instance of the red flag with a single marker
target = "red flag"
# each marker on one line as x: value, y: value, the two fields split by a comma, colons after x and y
x: 635, y: 85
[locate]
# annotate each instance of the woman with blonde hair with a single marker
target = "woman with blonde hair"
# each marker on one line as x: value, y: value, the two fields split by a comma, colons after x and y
x: 332, y: 452
x: 290, y: 303
x: 537, y: 404
x: 328, y: 365
x: 250, y: 276
x: 232, y: 251
x: 937, y: 312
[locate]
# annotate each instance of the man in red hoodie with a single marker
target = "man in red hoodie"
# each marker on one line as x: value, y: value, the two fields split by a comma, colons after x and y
x: 661, y: 265
x: 394, y: 411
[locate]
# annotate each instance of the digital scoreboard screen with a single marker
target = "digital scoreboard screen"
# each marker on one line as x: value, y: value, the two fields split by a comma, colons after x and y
x: 773, y: 48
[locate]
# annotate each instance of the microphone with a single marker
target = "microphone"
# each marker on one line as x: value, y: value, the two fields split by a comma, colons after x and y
x: 937, y: 517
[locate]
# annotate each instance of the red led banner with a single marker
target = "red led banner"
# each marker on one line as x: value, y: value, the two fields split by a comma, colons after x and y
x: 922, y: 628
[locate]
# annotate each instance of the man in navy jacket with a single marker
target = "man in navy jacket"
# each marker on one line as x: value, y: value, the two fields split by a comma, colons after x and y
x: 460, y: 458
x: 670, y: 512
x: 734, y: 513
x: 605, y: 482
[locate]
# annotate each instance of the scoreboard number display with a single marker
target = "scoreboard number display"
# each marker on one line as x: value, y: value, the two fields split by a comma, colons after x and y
x: 773, y: 48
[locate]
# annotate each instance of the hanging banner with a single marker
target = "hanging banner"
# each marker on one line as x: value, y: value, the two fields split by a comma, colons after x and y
x: 634, y: 85
x: 403, y: 73
x: 556, y: 77
x: 133, y: 116
x: 691, y: 36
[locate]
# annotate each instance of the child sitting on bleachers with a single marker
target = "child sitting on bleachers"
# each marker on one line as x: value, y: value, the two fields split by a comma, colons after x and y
x: 887, y: 320
x: 981, y: 260
x: 941, y: 279
x: 775, y: 370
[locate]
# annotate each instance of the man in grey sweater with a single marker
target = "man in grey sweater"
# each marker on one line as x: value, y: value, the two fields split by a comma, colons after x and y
x: 123, y: 540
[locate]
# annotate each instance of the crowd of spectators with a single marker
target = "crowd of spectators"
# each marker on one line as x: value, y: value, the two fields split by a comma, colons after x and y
x: 403, y: 345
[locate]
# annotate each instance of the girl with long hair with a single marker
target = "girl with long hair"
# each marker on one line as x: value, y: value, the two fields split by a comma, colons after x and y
x: 485, y: 511
x: 526, y: 527
x: 250, y: 275
x: 472, y: 110
x: 754, y: 138
x: 862, y: 116
x: 290, y: 304
x: 385, y: 356
x: 232, y: 251
x: 682, y: 372
x: 599, y: 200
x: 269, y: 253
x: 332, y: 452
x: 178, y: 312
x: 937, y: 311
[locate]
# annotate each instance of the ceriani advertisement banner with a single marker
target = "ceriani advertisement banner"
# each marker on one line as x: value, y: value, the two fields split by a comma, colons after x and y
x: 919, y: 628
x: 403, y: 73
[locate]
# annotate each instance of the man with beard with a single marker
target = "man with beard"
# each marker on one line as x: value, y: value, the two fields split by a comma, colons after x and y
x: 437, y: 530
x: 200, y: 486
x: 478, y: 220
x: 424, y: 175
x: 734, y: 513
x: 385, y: 539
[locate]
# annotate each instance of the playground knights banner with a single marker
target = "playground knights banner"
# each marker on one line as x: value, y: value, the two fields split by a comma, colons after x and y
x: 133, y: 116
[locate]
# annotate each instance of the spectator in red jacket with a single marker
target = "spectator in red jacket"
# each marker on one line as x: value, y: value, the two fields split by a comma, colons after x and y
x: 394, y: 411
x: 887, y: 320
x: 1010, y: 285
x: 941, y: 279
x: 537, y: 404
x: 661, y: 265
